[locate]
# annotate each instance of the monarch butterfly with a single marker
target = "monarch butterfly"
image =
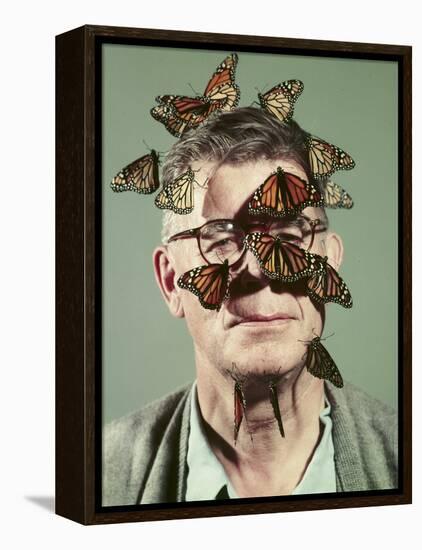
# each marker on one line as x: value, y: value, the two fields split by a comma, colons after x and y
x: 320, y: 363
x: 326, y: 285
x: 179, y: 113
x: 283, y: 194
x: 141, y: 175
x: 276, y: 407
x: 209, y: 282
x: 336, y: 197
x: 326, y: 158
x: 279, y: 259
x: 178, y: 195
x: 280, y: 100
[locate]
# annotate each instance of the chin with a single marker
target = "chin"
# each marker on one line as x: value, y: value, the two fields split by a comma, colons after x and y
x: 265, y: 358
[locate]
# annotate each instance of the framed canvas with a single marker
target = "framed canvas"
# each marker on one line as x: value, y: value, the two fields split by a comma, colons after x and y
x: 216, y: 372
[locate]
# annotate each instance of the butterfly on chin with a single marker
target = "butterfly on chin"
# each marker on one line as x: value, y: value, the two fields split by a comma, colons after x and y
x: 280, y: 100
x: 210, y: 283
x: 320, y: 363
x: 141, y: 175
x: 180, y: 113
x: 283, y: 194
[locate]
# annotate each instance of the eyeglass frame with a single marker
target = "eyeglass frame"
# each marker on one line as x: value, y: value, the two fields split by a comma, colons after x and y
x: 196, y: 231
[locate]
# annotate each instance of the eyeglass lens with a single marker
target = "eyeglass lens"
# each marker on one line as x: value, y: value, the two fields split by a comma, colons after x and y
x: 224, y: 240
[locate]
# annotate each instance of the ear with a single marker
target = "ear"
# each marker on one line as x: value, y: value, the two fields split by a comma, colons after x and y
x: 334, y: 250
x: 166, y: 279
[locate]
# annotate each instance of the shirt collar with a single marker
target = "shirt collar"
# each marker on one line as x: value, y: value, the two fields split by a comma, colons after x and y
x: 206, y: 475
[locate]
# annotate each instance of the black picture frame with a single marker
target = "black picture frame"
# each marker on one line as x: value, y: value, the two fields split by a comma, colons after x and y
x: 78, y: 274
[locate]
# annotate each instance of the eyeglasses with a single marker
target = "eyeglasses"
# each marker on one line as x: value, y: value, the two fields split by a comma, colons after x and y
x: 221, y: 240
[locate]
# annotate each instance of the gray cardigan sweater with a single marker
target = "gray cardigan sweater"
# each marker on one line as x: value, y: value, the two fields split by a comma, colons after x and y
x: 144, y: 453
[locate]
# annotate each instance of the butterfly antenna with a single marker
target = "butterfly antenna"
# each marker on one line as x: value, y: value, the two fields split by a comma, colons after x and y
x: 329, y: 336
x: 276, y: 407
x: 192, y: 88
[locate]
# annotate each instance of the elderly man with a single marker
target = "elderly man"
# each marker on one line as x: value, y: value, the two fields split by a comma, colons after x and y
x: 181, y: 448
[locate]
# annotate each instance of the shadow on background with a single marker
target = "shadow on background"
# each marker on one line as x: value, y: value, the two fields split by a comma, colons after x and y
x: 46, y: 502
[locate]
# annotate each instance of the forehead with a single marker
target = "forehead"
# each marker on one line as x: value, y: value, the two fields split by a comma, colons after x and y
x: 230, y: 186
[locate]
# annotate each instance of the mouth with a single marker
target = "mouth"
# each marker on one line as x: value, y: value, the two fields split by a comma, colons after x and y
x: 257, y: 320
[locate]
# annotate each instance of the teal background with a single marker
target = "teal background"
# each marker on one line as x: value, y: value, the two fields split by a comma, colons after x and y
x: 351, y: 103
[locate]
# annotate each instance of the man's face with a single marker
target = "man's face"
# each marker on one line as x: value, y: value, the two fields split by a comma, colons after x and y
x: 263, y: 325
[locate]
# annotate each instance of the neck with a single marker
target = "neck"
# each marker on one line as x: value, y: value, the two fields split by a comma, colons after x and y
x: 260, y: 448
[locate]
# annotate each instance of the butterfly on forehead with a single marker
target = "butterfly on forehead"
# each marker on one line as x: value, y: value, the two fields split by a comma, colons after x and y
x: 283, y: 194
x: 141, y: 175
x: 280, y: 100
x: 279, y: 259
x: 325, y: 284
x: 320, y: 363
x: 325, y: 158
x: 210, y: 283
x: 180, y: 113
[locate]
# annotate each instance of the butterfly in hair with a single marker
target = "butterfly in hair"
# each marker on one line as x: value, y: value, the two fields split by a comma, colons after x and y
x: 320, y: 363
x: 325, y: 284
x: 278, y: 259
x: 209, y: 282
x: 335, y: 196
x: 280, y: 100
x: 325, y: 158
x: 179, y: 113
x: 178, y: 195
x: 141, y: 175
x: 283, y: 194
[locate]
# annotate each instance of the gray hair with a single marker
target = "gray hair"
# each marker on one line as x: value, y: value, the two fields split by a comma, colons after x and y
x: 235, y: 137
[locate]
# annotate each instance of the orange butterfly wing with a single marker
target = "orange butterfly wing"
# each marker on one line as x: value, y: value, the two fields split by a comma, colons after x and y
x: 209, y: 282
x: 280, y: 100
x: 325, y: 158
x: 320, y: 363
x: 179, y: 113
x: 140, y: 175
x: 326, y: 285
x: 284, y: 194
x: 279, y: 259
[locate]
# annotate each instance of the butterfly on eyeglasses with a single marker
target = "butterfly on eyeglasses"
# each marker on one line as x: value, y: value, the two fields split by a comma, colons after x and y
x: 179, y: 113
x: 283, y: 194
x: 320, y: 363
x: 325, y: 284
x: 335, y: 196
x: 280, y: 100
x: 209, y: 282
x: 280, y: 260
x: 178, y: 195
x: 325, y: 158
x: 141, y: 175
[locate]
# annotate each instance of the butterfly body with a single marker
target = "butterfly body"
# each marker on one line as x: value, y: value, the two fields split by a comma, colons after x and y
x: 325, y: 158
x: 280, y: 100
x: 180, y: 113
x: 320, y: 363
x: 140, y: 175
x: 239, y: 408
x: 283, y: 194
x: 209, y: 282
x: 280, y: 260
x: 325, y: 284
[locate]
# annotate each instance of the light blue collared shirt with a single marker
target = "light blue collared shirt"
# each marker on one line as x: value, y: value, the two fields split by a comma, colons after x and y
x: 206, y: 475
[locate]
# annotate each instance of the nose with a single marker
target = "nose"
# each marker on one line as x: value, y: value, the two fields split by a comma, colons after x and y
x: 247, y: 273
